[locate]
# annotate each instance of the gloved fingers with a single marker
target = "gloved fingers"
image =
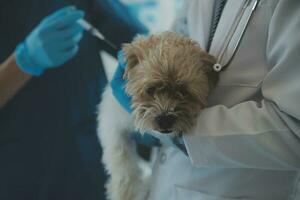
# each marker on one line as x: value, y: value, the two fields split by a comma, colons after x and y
x: 71, y: 52
x: 71, y: 42
x: 60, y: 36
x: 62, y: 56
x: 123, y: 98
x: 121, y: 60
x: 70, y: 32
x: 58, y: 14
x: 65, y: 21
x: 118, y: 84
x: 145, y: 139
x: 118, y: 90
x: 59, y: 52
x: 118, y: 75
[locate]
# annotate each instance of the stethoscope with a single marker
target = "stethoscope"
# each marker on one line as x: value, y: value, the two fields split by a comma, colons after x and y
x: 218, y: 66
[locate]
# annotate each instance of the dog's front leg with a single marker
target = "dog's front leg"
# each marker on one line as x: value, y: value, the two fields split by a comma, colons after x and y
x: 127, y: 180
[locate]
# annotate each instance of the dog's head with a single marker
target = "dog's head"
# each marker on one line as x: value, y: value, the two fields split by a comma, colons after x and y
x: 169, y: 78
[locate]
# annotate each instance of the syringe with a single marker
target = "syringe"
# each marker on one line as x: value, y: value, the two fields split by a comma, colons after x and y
x: 95, y: 32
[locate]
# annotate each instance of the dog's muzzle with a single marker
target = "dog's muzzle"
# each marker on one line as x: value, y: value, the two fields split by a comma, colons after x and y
x: 165, y: 122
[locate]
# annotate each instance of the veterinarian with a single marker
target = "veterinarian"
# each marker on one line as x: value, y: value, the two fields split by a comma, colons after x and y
x: 246, y: 143
x: 51, y: 78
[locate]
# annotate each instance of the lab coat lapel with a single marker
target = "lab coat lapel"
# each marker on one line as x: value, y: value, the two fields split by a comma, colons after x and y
x: 230, y: 13
x: 199, y: 19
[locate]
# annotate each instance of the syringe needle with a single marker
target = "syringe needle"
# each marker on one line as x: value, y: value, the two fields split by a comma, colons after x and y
x: 91, y: 29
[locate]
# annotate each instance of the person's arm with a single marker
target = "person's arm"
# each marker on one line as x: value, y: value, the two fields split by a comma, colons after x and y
x: 266, y: 134
x: 52, y: 43
x: 12, y: 79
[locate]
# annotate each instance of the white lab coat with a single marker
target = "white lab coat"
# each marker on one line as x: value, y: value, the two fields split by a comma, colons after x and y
x: 246, y: 144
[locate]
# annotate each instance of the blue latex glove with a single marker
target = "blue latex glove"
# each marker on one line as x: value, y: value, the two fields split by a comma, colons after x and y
x: 52, y: 43
x: 118, y: 84
x: 146, y: 139
x: 118, y: 90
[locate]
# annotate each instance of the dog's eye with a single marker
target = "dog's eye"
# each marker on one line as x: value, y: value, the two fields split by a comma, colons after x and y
x: 176, y: 109
x: 150, y: 90
x: 182, y: 91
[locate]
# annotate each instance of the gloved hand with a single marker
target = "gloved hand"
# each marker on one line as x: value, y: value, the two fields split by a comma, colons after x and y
x: 145, y: 139
x: 52, y: 43
x: 118, y: 89
x: 118, y: 84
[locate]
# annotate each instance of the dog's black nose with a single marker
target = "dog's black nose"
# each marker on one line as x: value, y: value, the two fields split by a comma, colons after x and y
x: 165, y: 122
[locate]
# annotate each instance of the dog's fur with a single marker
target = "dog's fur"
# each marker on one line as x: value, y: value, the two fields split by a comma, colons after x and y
x: 169, y: 78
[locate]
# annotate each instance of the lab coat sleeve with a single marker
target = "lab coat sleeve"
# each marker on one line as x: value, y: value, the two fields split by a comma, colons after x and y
x: 263, y: 135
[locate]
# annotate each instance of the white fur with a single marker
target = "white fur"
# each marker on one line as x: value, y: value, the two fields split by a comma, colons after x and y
x: 129, y: 176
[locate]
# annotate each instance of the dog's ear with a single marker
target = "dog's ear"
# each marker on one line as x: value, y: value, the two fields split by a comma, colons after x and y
x: 201, y: 58
x: 136, y: 51
x: 205, y: 61
x: 133, y: 55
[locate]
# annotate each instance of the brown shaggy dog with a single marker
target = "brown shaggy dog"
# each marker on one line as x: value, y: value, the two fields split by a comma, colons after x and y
x: 169, y: 78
